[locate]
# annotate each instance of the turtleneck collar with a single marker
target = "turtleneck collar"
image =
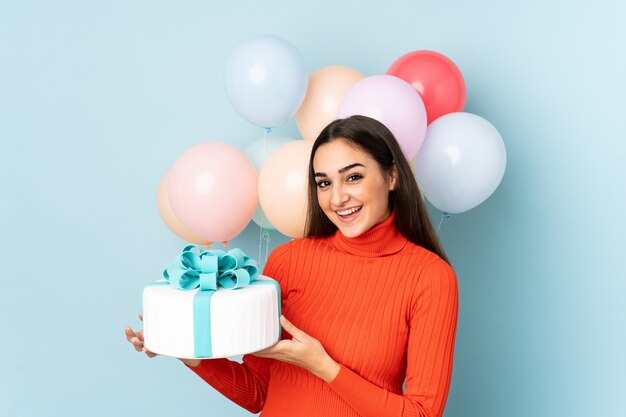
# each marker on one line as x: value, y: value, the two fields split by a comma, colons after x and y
x: 381, y: 240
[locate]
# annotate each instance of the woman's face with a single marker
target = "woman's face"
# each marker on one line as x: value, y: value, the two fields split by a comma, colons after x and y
x: 351, y: 188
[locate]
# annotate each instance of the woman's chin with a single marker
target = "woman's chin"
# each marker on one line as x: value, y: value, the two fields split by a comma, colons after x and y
x: 350, y: 231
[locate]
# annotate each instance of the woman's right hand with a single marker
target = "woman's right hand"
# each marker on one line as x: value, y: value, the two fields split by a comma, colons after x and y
x: 136, y: 339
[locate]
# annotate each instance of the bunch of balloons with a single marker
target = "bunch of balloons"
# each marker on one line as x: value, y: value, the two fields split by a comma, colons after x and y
x: 212, y: 191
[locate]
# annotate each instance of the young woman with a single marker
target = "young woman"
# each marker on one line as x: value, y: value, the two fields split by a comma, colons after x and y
x: 369, y: 293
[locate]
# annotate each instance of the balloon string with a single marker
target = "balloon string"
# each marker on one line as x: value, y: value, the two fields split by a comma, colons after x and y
x: 266, y: 234
x: 260, y: 240
x: 444, y: 215
x: 266, y: 133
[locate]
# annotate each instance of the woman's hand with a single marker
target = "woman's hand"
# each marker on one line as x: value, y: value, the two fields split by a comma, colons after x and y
x: 136, y: 339
x: 302, y: 350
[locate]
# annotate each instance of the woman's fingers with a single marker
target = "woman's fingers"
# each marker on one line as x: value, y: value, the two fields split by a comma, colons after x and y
x: 129, y: 333
x: 136, y: 338
x: 141, y: 315
x: 137, y: 344
x: 292, y: 330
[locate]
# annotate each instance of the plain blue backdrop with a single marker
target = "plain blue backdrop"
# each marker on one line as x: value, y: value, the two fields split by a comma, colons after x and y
x: 97, y: 99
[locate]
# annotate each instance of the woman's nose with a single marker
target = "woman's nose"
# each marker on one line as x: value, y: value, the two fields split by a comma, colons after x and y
x: 339, y: 196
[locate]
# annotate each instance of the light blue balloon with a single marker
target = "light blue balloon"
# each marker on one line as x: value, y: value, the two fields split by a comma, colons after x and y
x: 258, y: 152
x: 266, y: 80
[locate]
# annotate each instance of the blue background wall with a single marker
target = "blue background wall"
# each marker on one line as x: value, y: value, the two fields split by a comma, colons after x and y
x: 97, y: 99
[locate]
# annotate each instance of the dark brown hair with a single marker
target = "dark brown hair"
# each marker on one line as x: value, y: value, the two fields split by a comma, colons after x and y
x: 372, y: 137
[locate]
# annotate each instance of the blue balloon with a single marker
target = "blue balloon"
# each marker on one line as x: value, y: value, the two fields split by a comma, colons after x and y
x: 266, y: 80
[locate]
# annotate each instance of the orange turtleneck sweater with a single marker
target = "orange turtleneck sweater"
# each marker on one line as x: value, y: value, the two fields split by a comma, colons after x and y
x: 382, y: 307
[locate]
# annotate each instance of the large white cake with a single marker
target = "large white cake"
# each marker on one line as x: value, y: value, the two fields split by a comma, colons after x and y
x: 241, y: 320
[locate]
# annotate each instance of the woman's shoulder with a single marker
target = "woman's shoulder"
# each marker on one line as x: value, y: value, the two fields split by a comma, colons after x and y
x: 432, y: 275
x: 425, y: 259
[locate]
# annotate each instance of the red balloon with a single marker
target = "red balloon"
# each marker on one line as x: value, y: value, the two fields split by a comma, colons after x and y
x: 436, y: 78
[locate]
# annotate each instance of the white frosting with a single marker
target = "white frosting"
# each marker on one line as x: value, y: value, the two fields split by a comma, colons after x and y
x: 244, y: 320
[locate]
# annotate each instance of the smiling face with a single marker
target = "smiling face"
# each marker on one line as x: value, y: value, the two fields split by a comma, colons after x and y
x: 351, y: 188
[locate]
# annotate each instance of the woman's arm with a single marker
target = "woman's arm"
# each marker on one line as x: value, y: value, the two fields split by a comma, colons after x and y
x: 243, y: 383
x: 432, y: 330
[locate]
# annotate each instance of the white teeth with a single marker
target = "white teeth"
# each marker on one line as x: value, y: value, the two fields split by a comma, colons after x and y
x: 349, y: 211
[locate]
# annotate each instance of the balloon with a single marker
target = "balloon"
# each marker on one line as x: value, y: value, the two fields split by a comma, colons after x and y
x: 283, y: 187
x: 327, y: 87
x: 461, y: 162
x: 392, y: 102
x: 266, y: 80
x: 168, y: 216
x: 436, y: 78
x: 258, y: 152
x: 213, y: 190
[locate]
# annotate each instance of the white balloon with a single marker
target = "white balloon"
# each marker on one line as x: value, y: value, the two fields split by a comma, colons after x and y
x: 461, y: 162
x: 258, y: 152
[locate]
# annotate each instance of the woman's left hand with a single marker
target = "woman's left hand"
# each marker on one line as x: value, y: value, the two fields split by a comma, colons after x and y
x: 302, y: 350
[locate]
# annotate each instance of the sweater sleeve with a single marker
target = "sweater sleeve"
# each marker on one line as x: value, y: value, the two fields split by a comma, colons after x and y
x: 432, y: 329
x: 245, y: 383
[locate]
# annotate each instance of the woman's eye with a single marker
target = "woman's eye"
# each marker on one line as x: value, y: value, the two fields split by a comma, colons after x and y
x: 323, y: 184
x: 354, y: 177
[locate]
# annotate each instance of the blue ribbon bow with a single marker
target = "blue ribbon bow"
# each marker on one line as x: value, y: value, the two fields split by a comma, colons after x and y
x: 207, y: 269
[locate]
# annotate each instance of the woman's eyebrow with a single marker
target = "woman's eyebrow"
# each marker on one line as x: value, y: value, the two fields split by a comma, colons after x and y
x: 356, y: 164
x: 342, y: 170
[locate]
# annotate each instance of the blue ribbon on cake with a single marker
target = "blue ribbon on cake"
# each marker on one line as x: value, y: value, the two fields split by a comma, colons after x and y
x: 209, y: 269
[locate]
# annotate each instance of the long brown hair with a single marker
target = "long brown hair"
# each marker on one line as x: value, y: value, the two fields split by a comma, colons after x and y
x: 372, y: 137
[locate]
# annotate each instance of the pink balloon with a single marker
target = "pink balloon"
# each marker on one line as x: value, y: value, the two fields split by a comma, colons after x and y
x: 394, y: 103
x: 213, y: 190
x: 168, y: 216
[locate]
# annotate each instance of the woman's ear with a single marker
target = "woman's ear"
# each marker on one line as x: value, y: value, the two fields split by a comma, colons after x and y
x: 393, y: 176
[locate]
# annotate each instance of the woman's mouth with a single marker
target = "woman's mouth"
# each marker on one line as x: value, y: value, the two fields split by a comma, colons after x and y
x: 348, y: 215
